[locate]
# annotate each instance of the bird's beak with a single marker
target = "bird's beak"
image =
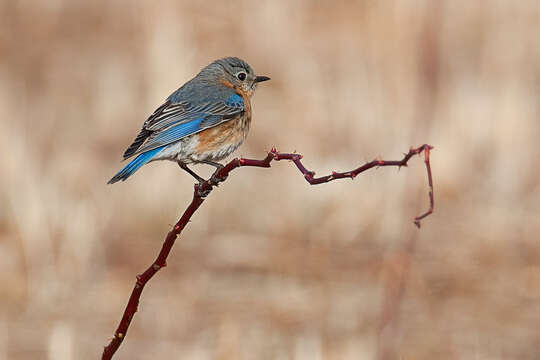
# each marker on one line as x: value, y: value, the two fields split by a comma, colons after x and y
x: 259, y: 79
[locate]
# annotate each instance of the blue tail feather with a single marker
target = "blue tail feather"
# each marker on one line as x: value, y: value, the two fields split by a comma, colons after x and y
x: 134, y: 165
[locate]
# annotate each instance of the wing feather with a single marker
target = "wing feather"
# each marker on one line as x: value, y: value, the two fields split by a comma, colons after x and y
x: 174, y: 121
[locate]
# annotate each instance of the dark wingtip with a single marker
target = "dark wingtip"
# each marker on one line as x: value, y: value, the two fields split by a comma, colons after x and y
x: 139, y: 140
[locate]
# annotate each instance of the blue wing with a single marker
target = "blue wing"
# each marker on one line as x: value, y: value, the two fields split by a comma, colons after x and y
x: 173, y: 121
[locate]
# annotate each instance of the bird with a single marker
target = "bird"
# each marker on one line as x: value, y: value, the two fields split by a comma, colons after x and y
x: 202, y: 122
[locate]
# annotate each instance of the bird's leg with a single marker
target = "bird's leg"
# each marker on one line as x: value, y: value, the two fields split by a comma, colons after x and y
x: 218, y: 167
x: 202, y: 194
x: 191, y: 172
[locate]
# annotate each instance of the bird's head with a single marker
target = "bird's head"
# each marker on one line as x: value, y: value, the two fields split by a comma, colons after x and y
x: 234, y: 73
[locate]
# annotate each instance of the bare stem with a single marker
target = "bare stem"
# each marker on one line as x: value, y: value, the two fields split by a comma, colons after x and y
x: 202, y: 190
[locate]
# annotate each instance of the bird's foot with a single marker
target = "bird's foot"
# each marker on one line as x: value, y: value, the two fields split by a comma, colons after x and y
x: 203, y: 191
x: 215, y: 180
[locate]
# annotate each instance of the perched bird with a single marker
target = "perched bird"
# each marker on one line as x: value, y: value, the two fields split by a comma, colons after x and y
x: 203, y: 121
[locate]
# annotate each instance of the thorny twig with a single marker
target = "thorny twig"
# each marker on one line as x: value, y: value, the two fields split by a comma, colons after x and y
x: 203, y: 189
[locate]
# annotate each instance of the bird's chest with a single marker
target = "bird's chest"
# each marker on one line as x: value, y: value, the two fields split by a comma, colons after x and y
x: 220, y: 141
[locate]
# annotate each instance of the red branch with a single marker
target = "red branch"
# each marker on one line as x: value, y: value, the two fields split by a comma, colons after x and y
x: 203, y: 189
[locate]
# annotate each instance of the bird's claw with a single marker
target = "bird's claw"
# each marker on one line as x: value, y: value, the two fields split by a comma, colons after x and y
x: 203, y: 193
x: 215, y: 180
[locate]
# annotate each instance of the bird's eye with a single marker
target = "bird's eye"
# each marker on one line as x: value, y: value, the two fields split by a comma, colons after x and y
x: 241, y: 76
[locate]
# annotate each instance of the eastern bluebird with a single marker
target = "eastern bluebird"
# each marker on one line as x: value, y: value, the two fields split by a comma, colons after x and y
x: 203, y: 121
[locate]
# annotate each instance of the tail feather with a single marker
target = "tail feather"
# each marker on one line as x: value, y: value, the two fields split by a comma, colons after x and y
x: 134, y: 165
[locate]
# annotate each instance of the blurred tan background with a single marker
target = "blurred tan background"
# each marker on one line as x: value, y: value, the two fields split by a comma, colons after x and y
x: 271, y: 268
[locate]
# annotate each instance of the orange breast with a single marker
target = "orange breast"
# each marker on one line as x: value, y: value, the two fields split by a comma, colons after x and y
x: 232, y: 132
x: 218, y: 141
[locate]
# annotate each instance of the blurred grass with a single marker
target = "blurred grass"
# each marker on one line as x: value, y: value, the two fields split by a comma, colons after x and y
x: 271, y: 268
